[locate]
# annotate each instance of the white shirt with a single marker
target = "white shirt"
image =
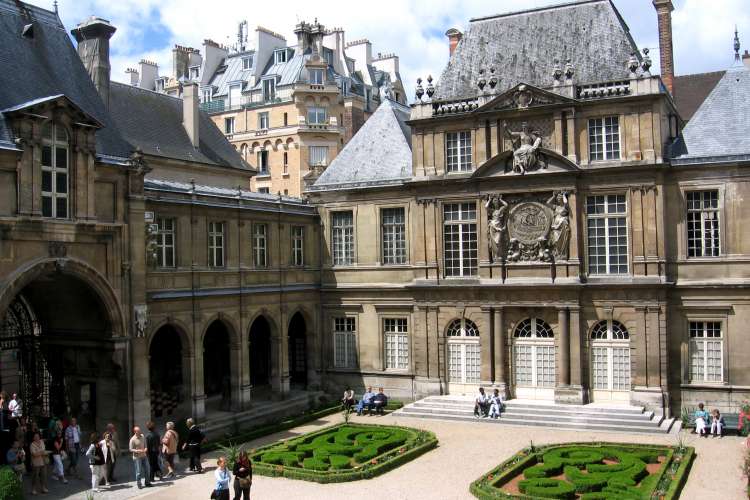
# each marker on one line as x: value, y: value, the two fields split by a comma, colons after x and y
x: 14, y: 407
x: 482, y: 398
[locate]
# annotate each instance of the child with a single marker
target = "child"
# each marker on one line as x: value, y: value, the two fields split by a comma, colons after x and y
x: 717, y: 423
x: 701, y: 421
x: 496, y: 404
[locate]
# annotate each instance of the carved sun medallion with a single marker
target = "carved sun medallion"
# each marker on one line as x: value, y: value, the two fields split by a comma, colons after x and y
x: 528, y: 222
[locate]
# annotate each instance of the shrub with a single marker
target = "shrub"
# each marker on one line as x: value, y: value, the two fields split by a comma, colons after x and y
x: 547, y: 488
x: 10, y: 485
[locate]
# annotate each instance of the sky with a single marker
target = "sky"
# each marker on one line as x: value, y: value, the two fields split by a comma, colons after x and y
x: 413, y: 29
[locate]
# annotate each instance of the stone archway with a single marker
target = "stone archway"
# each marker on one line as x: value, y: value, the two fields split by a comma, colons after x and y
x: 169, y: 373
x: 260, y: 354
x: 298, y: 351
x: 217, y: 375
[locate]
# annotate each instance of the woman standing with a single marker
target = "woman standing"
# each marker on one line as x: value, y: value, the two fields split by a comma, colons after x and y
x: 96, y: 461
x: 169, y: 448
x: 58, y: 471
x: 243, y: 476
x: 39, y: 465
x: 223, y: 478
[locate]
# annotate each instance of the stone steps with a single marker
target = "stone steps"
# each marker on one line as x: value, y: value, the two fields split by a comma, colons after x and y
x: 530, y: 413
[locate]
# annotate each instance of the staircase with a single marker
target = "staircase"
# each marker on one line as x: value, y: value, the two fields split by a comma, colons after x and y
x: 592, y: 417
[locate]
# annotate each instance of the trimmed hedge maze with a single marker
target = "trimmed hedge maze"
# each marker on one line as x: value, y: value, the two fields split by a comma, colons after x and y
x: 589, y: 471
x: 345, y: 452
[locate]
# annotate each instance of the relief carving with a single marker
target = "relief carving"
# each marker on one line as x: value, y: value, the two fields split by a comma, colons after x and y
x: 526, y: 144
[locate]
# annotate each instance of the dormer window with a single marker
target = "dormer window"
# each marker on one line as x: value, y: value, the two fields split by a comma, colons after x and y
x: 55, y: 179
x: 280, y: 56
x: 159, y: 84
x: 195, y: 72
x: 247, y: 63
x: 269, y: 89
x: 206, y: 95
x: 316, y: 77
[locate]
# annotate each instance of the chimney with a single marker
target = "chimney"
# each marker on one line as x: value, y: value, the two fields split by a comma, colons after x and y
x: 93, y: 36
x: 190, y: 113
x: 454, y: 36
x: 304, y: 38
x: 133, y: 74
x: 148, y: 72
x: 746, y: 59
x: 664, y: 10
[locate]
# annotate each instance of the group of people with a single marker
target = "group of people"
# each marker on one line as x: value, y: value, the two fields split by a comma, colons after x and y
x: 486, y: 405
x: 243, y: 478
x: 706, y: 422
x: 371, y: 401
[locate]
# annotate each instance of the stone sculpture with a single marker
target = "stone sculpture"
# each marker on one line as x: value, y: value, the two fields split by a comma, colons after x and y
x: 497, y: 227
x: 526, y: 144
x: 559, y: 238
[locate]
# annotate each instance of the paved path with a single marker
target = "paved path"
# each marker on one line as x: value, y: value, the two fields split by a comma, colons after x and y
x: 466, y: 451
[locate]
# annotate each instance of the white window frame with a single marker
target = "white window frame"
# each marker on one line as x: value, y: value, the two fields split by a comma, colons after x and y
x: 396, y: 343
x: 260, y: 245
x: 57, y: 140
x: 600, y: 133
x: 195, y: 72
x: 216, y: 244
x: 393, y: 236
x: 458, y: 151
x: 229, y: 125
x: 262, y: 159
x: 345, y: 342
x: 264, y: 120
x: 268, y: 86
x: 317, y: 76
x: 463, y: 339
x: 314, y: 114
x: 699, y: 346
x: 538, y: 345
x: 318, y: 155
x: 206, y: 95
x: 342, y: 238
x: 280, y: 56
x: 465, y: 228
x: 604, y: 337
x: 611, y: 225
x: 707, y: 219
x: 298, y: 246
x: 247, y: 63
x: 164, y: 233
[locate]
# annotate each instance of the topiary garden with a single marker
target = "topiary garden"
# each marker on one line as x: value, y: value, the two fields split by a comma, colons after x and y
x: 589, y: 471
x: 345, y: 452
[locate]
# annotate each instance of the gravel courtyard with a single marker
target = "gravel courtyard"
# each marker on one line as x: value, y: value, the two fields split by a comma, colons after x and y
x: 466, y: 451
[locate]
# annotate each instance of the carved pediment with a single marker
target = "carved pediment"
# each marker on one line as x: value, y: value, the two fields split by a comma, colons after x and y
x: 524, y: 96
x: 546, y: 161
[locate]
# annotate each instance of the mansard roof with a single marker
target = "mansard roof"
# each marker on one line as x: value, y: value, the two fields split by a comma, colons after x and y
x: 46, y: 64
x: 378, y: 154
x: 718, y: 131
x: 523, y: 46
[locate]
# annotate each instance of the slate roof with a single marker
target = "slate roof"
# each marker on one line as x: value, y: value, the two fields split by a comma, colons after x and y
x: 44, y: 66
x: 691, y: 90
x: 152, y: 122
x: 522, y: 47
x: 718, y: 131
x: 378, y: 154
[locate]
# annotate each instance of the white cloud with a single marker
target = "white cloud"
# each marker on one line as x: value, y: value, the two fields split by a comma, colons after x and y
x: 413, y: 29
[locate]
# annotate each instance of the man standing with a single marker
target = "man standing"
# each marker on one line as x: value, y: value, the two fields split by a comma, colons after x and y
x: 73, y: 442
x: 194, y: 441
x: 153, y: 445
x: 137, y: 447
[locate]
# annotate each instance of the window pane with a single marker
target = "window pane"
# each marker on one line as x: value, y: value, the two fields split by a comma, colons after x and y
x: 46, y: 181
x: 46, y: 156
x: 61, y: 208
x: 61, y: 158
x: 61, y: 181
x: 47, y: 206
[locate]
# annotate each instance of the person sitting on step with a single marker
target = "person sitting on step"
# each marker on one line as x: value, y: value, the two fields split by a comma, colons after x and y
x: 481, y: 404
x: 365, y: 401
x: 496, y: 404
x: 717, y: 423
x: 701, y: 421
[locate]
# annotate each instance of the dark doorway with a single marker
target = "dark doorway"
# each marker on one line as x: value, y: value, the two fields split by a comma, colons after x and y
x: 298, y: 351
x: 260, y: 352
x: 166, y: 371
x: 216, y: 370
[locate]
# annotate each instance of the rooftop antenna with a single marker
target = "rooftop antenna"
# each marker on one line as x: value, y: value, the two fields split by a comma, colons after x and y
x: 736, y: 45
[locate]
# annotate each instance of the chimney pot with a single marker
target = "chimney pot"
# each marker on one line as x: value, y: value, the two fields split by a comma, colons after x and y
x: 190, y: 112
x: 664, y: 10
x: 454, y: 36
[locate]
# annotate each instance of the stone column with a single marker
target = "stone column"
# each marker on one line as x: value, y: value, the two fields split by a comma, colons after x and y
x: 577, y: 361
x: 198, y: 393
x: 141, y: 383
x: 501, y: 373
x: 235, y: 376
x: 569, y: 389
x: 485, y: 348
x: 563, y: 369
x: 246, y: 396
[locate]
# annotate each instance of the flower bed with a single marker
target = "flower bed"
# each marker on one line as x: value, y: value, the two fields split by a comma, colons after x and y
x: 589, y: 471
x: 345, y: 452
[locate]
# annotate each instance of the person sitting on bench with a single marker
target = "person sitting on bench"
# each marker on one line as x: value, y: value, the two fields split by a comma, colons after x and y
x: 496, y: 404
x: 348, y: 400
x: 701, y: 421
x: 378, y: 402
x: 717, y: 423
x: 365, y: 401
x: 481, y: 404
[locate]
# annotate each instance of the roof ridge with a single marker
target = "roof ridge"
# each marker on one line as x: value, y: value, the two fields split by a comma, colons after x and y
x: 535, y: 9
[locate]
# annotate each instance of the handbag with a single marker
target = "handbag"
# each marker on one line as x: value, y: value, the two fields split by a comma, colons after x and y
x: 244, y: 482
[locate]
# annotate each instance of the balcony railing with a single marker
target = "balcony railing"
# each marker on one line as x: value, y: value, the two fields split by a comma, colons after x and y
x: 221, y: 106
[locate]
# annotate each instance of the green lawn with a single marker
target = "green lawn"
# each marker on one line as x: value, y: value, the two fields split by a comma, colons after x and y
x: 345, y: 452
x: 589, y: 471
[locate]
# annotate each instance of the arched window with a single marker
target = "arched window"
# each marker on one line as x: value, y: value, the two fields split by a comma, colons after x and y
x: 610, y: 359
x: 534, y: 356
x: 464, y: 355
x: 534, y: 328
x: 55, y: 178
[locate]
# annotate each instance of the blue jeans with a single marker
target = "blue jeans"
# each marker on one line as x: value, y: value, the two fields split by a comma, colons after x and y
x: 142, y: 470
x: 362, y: 405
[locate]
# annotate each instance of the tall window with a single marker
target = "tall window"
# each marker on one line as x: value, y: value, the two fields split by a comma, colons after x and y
x: 269, y: 89
x: 206, y: 95
x: 286, y: 119
x: 298, y: 246
x: 393, y: 231
x: 604, y: 138
x: 344, y: 342
x: 55, y: 180
x: 534, y: 353
x: 458, y: 151
x: 286, y: 162
x: 229, y: 125
x: 316, y: 76
x: 464, y: 352
x: 607, y: 234
x: 262, y: 162
x: 319, y: 155
x: 610, y: 356
x: 706, y: 352
x: 460, y: 239
x: 316, y: 115
x: 263, y: 120
x: 165, y: 242
x: 216, y: 244
x: 396, y: 344
x: 703, y: 223
x: 342, y: 238
x: 260, y: 245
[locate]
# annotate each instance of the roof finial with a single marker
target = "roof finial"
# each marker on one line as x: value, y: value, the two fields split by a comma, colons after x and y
x: 736, y: 44
x: 54, y: 4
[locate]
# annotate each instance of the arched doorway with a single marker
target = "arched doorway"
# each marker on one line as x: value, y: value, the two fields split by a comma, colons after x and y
x: 217, y: 383
x: 260, y: 354
x: 298, y: 351
x: 610, y: 362
x: 534, y: 360
x: 166, y: 372
x: 464, y: 356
